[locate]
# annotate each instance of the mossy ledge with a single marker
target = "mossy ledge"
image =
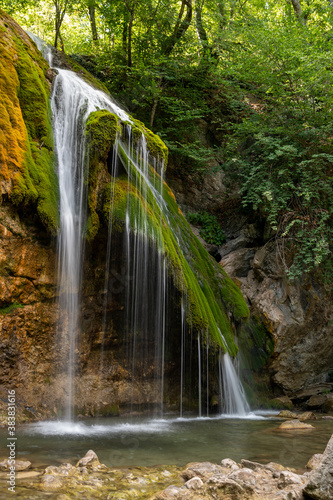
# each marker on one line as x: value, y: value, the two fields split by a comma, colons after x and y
x: 212, y: 299
x: 26, y: 140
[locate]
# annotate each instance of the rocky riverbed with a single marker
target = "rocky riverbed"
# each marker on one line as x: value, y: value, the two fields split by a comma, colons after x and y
x: 88, y: 479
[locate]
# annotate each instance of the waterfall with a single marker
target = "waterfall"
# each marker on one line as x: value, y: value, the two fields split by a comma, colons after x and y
x: 199, y: 371
x: 146, y: 295
x: 231, y: 389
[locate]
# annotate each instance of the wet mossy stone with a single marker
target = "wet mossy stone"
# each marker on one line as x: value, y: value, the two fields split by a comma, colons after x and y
x: 101, y: 132
x: 211, y: 297
x: 26, y: 140
x: 156, y: 147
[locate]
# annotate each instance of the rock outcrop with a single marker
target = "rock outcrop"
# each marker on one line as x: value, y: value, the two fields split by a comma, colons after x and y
x: 320, y: 484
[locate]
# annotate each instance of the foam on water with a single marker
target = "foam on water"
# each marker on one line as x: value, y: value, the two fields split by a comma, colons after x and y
x: 63, y: 428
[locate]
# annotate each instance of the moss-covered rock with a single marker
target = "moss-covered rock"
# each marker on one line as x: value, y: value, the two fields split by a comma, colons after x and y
x: 156, y: 147
x: 101, y: 132
x: 208, y: 290
x: 26, y: 139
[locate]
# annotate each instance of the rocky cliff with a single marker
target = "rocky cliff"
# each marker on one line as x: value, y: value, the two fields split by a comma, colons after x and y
x: 298, y: 314
x: 30, y: 350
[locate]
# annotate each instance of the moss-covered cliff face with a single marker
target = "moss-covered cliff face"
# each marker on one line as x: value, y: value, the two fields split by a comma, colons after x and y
x: 28, y: 263
x: 28, y: 177
x: 212, y: 298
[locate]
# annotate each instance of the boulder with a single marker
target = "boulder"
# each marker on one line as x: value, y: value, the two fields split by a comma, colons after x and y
x: 229, y: 464
x: 282, y: 402
x: 202, y: 469
x: 19, y: 465
x: 314, y: 461
x: 320, y: 485
x: 245, y: 477
x: 50, y: 482
x: 194, y: 484
x: 287, y: 414
x: 286, y: 478
x: 316, y: 402
x: 89, y: 460
x: 328, y: 405
x: 307, y: 415
x: 294, y: 425
x: 226, y: 487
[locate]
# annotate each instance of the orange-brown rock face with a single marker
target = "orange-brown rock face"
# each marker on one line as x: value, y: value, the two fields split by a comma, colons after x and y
x: 27, y: 308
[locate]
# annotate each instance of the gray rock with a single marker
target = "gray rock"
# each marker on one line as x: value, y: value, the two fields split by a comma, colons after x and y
x: 287, y: 414
x: 314, y: 461
x: 286, y: 478
x: 316, y: 401
x: 50, y: 482
x: 320, y: 485
x: 230, y: 464
x: 202, y: 469
x: 245, y: 477
x: 328, y: 405
x: 89, y: 460
x: 19, y: 465
x: 194, y: 484
x: 251, y: 465
x: 238, y: 262
x: 226, y: 486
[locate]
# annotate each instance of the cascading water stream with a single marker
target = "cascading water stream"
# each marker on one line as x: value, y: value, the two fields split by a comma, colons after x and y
x: 73, y: 100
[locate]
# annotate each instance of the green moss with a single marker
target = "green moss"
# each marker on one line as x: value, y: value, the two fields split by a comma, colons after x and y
x: 101, y: 131
x: 84, y: 74
x: 26, y: 145
x: 156, y: 147
x: 11, y: 308
x: 195, y: 273
x: 256, y: 344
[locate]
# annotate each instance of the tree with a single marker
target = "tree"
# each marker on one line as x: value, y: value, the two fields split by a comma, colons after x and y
x: 60, y: 11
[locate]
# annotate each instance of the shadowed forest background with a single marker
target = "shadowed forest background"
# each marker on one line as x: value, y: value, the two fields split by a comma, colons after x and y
x: 259, y: 72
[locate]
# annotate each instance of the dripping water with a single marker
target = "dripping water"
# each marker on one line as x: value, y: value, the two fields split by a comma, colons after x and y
x: 199, y: 371
x: 72, y: 102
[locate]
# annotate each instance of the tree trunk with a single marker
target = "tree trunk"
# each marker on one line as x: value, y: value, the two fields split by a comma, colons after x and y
x: 180, y: 27
x: 298, y: 11
x: 92, y: 18
x: 152, y: 114
x: 59, y: 17
x: 130, y: 6
x: 129, y: 48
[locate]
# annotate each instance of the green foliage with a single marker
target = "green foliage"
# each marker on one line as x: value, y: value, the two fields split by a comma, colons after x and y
x: 210, y: 230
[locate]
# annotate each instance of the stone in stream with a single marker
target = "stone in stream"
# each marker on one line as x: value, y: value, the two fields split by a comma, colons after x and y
x: 19, y: 465
x: 287, y: 414
x: 307, y: 415
x: 320, y: 485
x: 89, y: 460
x: 294, y: 425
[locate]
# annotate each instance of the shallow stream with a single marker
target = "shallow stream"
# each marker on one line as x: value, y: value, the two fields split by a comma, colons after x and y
x: 148, y: 442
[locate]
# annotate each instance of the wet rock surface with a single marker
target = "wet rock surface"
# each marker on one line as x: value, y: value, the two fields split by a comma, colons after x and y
x: 320, y: 484
x: 247, y: 480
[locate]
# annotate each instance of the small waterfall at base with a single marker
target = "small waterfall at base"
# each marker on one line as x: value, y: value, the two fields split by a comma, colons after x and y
x: 231, y: 389
x: 146, y: 296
